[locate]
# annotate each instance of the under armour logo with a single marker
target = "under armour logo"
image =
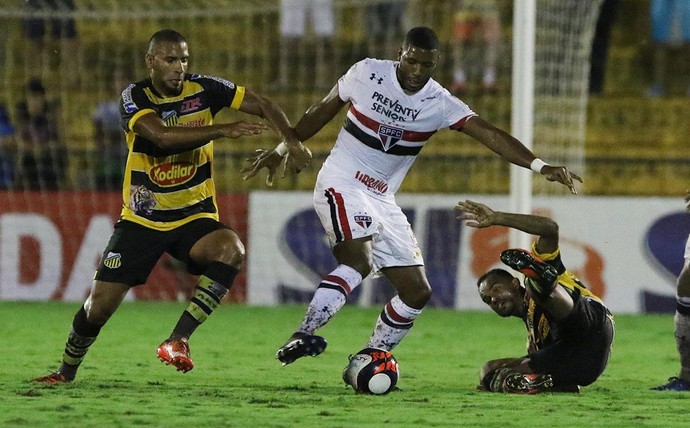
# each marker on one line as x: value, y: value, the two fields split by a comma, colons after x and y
x: 374, y: 77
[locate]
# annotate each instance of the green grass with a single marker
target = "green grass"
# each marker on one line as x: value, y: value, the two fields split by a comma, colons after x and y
x: 237, y: 382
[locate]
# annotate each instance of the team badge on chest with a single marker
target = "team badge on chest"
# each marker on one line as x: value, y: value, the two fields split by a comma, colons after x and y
x: 389, y: 136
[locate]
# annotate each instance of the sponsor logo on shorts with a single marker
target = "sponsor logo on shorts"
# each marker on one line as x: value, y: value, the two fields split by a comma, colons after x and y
x: 113, y: 260
x: 363, y: 220
x: 374, y: 184
x: 172, y: 174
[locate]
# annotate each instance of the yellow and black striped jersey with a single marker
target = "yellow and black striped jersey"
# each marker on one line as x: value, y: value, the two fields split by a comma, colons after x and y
x: 164, y: 189
x: 539, y: 326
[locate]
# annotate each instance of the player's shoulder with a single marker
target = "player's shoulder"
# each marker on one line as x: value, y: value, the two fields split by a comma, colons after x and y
x: 368, y: 64
x: 207, y: 80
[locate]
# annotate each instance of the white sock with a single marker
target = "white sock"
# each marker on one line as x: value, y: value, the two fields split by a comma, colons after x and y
x: 393, y: 324
x: 330, y: 296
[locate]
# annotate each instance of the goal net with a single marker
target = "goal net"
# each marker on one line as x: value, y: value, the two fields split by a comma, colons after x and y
x: 57, y: 210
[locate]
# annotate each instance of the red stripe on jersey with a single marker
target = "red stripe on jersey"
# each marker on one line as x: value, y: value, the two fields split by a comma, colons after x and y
x: 394, y: 316
x: 374, y: 126
x: 457, y: 126
x: 339, y: 281
x: 342, y: 215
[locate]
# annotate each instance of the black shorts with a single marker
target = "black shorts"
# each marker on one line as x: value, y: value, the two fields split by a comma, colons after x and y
x: 581, y: 355
x: 133, y: 250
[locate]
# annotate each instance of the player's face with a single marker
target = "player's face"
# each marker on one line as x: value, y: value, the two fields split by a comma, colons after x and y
x: 168, y: 63
x: 501, y: 294
x: 416, y: 67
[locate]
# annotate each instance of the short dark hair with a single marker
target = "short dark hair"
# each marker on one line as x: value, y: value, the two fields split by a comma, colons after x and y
x: 498, y: 271
x: 166, y: 35
x: 421, y: 37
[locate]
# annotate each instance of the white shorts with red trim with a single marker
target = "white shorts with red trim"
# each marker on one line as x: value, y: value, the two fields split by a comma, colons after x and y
x: 347, y: 211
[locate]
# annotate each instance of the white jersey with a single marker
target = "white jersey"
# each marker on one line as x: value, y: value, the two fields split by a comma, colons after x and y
x: 386, y: 127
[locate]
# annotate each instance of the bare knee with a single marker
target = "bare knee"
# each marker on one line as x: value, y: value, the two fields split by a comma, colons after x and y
x: 417, y: 296
x: 103, y: 301
x: 220, y: 246
x: 233, y: 254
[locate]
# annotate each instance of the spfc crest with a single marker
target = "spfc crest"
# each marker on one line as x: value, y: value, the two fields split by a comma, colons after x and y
x: 389, y: 136
x: 363, y: 220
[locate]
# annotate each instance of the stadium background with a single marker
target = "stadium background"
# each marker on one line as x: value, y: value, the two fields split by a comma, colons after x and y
x: 631, y: 146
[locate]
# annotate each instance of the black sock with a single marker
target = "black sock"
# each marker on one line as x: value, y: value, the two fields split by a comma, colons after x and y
x: 213, y: 285
x: 82, y: 335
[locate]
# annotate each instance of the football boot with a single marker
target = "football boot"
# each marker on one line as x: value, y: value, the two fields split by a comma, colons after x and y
x: 176, y: 352
x: 300, y: 345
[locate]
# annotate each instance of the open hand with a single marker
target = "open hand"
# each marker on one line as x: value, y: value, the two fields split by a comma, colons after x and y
x: 263, y: 158
x: 476, y: 214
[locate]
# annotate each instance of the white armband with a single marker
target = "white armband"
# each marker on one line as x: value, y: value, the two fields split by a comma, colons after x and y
x: 537, y: 164
x: 282, y: 149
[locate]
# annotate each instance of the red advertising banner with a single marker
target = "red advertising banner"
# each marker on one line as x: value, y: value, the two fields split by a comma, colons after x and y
x: 51, y: 243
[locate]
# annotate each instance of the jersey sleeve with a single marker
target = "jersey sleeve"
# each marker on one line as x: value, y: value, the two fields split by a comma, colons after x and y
x: 348, y: 83
x: 222, y: 93
x: 133, y: 104
x: 456, y: 112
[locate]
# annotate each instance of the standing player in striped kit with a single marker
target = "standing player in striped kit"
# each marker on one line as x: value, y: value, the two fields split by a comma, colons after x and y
x: 169, y: 197
x: 394, y: 108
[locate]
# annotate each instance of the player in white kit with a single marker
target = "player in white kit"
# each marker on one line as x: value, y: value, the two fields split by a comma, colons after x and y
x: 681, y: 321
x: 394, y: 108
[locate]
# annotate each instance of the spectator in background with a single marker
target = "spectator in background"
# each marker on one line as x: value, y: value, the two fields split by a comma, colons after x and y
x: 62, y: 29
x: 384, y: 27
x: 294, y: 15
x: 111, y: 148
x: 8, y: 150
x: 600, y: 46
x: 475, y: 20
x: 42, y: 156
x: 670, y: 28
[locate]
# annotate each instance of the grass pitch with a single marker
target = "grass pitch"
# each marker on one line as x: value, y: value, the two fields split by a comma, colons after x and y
x: 237, y: 382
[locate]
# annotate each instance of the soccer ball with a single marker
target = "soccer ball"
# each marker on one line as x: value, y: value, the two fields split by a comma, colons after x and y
x: 372, y: 371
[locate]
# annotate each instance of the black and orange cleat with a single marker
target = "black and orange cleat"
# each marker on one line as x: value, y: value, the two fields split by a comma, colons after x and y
x: 542, y: 278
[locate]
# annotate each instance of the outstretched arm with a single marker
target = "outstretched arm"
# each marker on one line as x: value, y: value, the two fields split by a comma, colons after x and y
x: 480, y: 216
x: 319, y: 114
x: 152, y: 127
x: 266, y: 109
x: 515, y: 152
x: 315, y: 118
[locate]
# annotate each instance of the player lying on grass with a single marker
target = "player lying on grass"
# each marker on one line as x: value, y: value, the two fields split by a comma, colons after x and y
x: 570, y: 329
